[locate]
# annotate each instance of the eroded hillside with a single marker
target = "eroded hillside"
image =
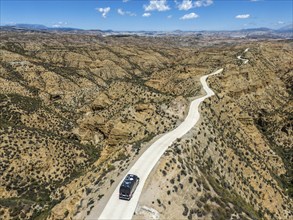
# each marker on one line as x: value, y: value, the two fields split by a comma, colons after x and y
x: 77, y: 110
x: 70, y: 103
x: 237, y: 162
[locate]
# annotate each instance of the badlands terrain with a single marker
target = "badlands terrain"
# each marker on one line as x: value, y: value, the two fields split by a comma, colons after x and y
x: 77, y: 110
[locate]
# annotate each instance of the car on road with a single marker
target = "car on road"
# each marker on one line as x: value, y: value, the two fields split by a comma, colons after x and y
x: 128, y: 186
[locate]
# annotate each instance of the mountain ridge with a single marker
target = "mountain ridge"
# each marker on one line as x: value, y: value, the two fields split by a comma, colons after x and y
x: 43, y: 27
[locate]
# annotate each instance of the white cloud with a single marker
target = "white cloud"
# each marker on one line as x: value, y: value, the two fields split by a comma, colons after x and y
x: 244, y: 16
x: 169, y: 16
x: 104, y: 11
x: 125, y: 1
x: 157, y: 5
x: 146, y: 14
x: 281, y: 22
x: 188, y: 4
x: 121, y: 12
x: 201, y: 3
x: 59, y: 24
x: 185, y: 5
x: 189, y: 16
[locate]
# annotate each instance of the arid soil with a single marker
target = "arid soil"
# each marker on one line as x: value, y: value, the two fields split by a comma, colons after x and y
x: 76, y: 110
x: 237, y: 162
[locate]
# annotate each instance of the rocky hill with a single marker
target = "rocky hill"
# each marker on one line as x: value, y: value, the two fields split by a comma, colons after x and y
x: 77, y: 110
x: 237, y: 162
x: 69, y: 103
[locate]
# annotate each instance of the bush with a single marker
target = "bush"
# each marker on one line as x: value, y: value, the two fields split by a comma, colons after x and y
x: 185, y: 211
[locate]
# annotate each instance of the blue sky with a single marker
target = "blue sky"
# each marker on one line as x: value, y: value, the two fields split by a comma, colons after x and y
x: 158, y: 15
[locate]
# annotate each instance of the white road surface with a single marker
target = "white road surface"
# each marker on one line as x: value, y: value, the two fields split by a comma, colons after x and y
x: 245, y: 61
x: 120, y: 209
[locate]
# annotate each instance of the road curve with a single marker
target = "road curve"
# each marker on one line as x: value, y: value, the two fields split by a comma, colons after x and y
x: 120, y: 209
x: 245, y: 61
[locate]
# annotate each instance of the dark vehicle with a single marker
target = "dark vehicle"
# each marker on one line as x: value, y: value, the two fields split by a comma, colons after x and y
x: 128, y: 186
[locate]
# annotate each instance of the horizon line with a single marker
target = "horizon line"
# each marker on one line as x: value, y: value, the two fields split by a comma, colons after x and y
x: 105, y: 30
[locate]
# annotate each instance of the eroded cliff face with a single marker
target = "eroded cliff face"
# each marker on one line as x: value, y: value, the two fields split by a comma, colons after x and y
x: 237, y: 162
x: 76, y: 107
x: 77, y: 110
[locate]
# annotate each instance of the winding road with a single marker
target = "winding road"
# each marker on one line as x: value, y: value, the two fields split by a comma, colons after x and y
x: 245, y: 61
x: 120, y: 209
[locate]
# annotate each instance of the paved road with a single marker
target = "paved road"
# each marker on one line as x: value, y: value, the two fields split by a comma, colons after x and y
x: 120, y: 209
x: 245, y: 61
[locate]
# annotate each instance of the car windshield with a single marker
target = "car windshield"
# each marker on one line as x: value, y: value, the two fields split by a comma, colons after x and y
x: 124, y: 190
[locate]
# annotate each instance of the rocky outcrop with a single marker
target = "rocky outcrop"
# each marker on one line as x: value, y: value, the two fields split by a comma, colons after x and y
x: 101, y: 102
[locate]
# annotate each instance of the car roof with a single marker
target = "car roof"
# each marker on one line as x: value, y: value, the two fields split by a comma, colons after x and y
x: 129, y: 179
x: 131, y: 176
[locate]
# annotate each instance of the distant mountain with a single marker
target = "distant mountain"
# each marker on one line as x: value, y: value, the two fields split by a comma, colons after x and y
x: 66, y: 29
x: 262, y: 32
x: 39, y: 27
x: 256, y: 29
x: 29, y: 26
x: 287, y: 28
x: 108, y: 31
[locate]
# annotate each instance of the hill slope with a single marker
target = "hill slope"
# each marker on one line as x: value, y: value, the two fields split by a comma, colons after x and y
x: 76, y: 110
